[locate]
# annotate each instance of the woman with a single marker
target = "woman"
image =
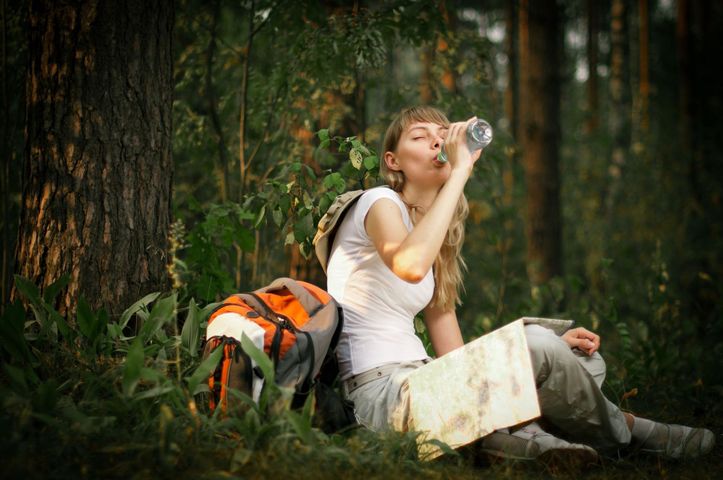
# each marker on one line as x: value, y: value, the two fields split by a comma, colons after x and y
x: 397, y: 252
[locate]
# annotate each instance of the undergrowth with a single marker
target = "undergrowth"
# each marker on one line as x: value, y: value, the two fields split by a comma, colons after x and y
x: 94, y: 397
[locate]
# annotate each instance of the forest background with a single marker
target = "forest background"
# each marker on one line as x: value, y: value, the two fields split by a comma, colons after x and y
x: 190, y: 147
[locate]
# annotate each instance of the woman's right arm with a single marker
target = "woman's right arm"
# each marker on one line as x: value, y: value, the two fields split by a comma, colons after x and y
x: 410, y: 255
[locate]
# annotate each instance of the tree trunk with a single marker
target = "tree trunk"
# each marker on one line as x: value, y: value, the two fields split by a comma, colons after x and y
x: 221, y: 164
x: 619, y: 99
x: 540, y: 45
x: 593, y: 113
x: 644, y: 68
x: 426, y: 89
x: 98, y: 170
x: 685, y: 74
x: 512, y: 104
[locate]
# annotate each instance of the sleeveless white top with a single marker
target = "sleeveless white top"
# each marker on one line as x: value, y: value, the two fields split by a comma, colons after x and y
x: 379, y: 307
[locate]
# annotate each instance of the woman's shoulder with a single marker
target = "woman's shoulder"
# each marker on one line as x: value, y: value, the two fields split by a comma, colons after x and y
x: 373, y: 194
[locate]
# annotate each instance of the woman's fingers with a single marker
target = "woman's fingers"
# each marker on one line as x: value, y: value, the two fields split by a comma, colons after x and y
x: 583, y: 339
x: 456, y: 143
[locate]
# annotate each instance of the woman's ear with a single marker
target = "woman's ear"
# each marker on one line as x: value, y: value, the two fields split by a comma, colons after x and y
x: 392, y: 163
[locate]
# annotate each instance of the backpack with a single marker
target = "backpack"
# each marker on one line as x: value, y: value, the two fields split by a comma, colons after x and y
x: 330, y: 222
x: 296, y: 323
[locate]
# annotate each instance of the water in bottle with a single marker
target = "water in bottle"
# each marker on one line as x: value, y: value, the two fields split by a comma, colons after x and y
x: 479, y: 135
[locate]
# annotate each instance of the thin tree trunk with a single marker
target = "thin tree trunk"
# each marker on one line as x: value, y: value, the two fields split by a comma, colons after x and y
x: 540, y: 135
x: 5, y: 167
x: 685, y: 73
x: 619, y: 99
x: 98, y: 171
x: 221, y: 167
x: 244, y: 101
x: 644, y: 68
x: 593, y: 113
x: 426, y: 90
x: 449, y: 76
x: 512, y: 91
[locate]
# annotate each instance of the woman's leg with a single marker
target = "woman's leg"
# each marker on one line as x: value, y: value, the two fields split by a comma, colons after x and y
x: 569, y: 392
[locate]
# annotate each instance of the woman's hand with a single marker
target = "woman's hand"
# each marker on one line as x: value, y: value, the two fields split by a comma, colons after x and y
x: 583, y: 339
x: 455, y: 145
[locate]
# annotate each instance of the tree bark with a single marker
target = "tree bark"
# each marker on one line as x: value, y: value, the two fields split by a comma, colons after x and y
x: 98, y: 171
x: 540, y: 45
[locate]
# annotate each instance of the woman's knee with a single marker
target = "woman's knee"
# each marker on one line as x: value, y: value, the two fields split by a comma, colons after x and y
x: 547, y: 350
x: 595, y: 365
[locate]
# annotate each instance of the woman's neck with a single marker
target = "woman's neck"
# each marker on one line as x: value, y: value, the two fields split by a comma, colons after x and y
x: 422, y: 199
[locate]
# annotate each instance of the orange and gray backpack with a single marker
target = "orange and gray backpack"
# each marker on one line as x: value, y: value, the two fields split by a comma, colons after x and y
x: 295, y: 323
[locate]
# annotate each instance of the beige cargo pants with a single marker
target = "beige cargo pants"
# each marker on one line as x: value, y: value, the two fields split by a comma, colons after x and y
x: 568, y: 388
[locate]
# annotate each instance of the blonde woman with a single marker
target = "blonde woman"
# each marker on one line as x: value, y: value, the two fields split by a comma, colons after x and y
x: 397, y: 252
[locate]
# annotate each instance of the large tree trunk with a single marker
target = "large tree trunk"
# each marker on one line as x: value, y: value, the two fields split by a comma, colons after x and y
x: 98, y: 171
x: 540, y: 47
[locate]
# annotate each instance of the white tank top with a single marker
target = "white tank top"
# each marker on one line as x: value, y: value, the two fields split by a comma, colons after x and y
x: 379, y: 307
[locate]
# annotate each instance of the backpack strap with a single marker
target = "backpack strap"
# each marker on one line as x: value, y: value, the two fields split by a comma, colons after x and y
x: 329, y: 224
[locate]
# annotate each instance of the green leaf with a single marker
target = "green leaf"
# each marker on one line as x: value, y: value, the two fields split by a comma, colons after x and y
x: 18, y: 378
x: 204, y: 370
x: 304, y: 228
x: 446, y: 449
x: 323, y: 134
x: 133, y: 366
x: 371, y: 162
x: 133, y: 309
x: 310, y: 172
x: 12, y: 339
x: 52, y: 290
x: 262, y: 360
x: 260, y: 216
x: 246, y: 240
x: 60, y: 322
x: 28, y: 289
x: 289, y: 238
x: 86, y: 319
x: 277, y: 216
x: 191, y: 331
x: 331, y: 180
x: 356, y: 157
x: 206, y: 311
x: 301, y: 425
x: 156, y: 391
x: 163, y: 311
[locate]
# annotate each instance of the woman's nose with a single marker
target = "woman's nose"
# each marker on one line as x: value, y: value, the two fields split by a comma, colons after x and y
x: 437, y: 142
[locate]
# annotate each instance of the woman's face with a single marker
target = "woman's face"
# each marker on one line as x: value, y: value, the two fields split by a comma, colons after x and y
x: 416, y: 155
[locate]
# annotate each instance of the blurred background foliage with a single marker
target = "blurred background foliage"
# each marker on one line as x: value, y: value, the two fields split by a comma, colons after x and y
x: 641, y: 240
x: 280, y: 105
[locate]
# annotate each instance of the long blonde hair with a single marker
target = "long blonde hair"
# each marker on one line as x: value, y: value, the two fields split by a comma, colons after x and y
x: 449, y: 264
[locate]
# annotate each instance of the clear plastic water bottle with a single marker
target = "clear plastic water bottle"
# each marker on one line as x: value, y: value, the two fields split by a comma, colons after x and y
x: 479, y: 135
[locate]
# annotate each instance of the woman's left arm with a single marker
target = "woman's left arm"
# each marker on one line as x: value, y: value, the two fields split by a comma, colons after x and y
x: 443, y: 329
